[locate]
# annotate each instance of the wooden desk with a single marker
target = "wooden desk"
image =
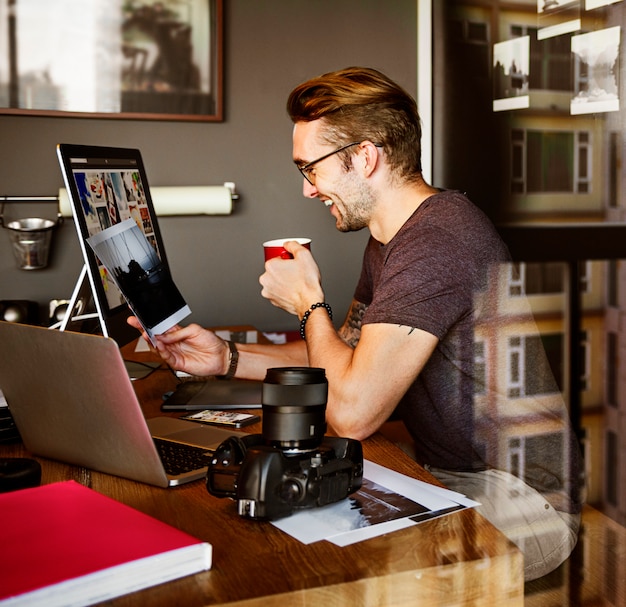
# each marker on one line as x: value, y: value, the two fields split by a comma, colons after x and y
x: 459, y: 559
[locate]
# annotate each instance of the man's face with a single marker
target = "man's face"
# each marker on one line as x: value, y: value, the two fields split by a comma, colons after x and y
x: 345, y: 191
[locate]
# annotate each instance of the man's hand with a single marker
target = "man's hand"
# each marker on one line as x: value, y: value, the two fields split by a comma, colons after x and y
x: 192, y: 349
x: 292, y: 284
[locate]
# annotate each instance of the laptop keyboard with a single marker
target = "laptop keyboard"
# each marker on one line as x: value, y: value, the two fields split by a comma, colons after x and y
x: 178, y: 458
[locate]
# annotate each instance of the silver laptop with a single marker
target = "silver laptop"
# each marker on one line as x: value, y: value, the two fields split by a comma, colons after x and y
x: 72, y: 400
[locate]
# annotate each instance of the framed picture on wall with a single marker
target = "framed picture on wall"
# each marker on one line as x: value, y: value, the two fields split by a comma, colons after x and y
x: 139, y: 59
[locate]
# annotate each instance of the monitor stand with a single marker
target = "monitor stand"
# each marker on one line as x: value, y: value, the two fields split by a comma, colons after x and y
x: 76, y: 317
x: 76, y: 312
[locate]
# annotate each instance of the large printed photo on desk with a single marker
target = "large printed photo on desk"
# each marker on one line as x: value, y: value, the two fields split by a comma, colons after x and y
x: 387, y: 501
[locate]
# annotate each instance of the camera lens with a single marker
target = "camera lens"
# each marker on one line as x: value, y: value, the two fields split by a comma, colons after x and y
x: 294, y: 407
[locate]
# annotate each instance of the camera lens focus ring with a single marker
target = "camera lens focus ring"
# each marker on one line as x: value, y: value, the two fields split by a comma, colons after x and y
x: 294, y: 407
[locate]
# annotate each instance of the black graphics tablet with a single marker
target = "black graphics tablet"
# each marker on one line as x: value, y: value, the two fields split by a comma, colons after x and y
x: 221, y: 394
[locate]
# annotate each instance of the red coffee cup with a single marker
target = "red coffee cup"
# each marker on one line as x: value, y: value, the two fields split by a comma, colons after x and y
x: 275, y: 248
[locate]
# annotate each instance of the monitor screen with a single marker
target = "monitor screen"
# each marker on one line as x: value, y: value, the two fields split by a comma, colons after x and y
x: 111, y: 204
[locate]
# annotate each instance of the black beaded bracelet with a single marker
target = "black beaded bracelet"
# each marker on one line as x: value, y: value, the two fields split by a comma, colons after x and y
x: 234, y: 359
x: 320, y: 304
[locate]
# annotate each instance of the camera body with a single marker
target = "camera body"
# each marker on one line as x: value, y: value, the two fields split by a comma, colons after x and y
x: 292, y: 465
x: 269, y: 484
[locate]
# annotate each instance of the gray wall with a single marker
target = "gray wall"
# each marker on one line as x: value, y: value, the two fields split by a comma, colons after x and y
x: 270, y: 46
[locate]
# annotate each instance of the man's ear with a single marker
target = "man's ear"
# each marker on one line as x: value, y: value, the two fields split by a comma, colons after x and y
x: 370, y: 155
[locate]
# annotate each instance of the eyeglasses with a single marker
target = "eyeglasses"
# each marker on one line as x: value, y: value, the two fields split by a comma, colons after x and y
x: 305, y: 169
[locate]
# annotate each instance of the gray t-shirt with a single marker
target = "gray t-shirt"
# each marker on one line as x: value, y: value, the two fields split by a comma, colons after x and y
x: 426, y: 277
x: 438, y: 274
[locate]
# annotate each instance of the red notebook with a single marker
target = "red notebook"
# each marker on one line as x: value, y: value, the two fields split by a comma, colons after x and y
x: 66, y: 544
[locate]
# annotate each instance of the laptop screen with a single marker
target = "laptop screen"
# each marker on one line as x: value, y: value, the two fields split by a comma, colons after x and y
x: 107, y: 187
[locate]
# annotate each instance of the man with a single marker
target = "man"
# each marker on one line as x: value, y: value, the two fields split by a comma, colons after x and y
x: 406, y: 346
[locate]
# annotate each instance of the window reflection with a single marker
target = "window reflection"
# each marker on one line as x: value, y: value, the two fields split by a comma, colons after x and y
x: 559, y: 160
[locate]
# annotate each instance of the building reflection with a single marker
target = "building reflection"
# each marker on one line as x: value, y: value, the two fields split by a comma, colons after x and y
x: 556, y: 158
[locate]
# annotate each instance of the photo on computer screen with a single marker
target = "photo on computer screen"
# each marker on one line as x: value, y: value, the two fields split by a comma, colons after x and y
x: 107, y: 186
x: 132, y: 263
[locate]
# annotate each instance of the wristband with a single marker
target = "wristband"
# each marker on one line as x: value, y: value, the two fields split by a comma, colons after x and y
x: 234, y: 359
x: 320, y: 304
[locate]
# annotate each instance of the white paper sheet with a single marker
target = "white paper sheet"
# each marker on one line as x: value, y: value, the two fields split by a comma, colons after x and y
x: 401, y: 502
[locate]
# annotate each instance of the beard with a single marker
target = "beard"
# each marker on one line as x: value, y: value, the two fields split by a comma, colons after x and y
x: 355, y: 205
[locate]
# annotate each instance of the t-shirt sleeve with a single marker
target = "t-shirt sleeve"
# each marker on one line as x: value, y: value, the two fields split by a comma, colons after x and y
x: 420, y: 284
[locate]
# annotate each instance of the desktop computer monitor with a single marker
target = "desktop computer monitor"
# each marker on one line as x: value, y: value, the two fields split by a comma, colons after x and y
x: 107, y: 187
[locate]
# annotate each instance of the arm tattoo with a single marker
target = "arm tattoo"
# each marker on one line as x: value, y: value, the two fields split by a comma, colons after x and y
x: 350, y: 331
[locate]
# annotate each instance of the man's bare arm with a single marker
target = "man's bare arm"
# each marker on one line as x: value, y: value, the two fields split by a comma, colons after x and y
x: 365, y: 382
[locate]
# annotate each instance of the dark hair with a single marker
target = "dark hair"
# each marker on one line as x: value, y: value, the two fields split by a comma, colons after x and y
x: 359, y: 103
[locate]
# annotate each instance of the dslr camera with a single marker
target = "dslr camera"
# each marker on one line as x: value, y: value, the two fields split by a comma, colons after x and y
x: 291, y: 465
